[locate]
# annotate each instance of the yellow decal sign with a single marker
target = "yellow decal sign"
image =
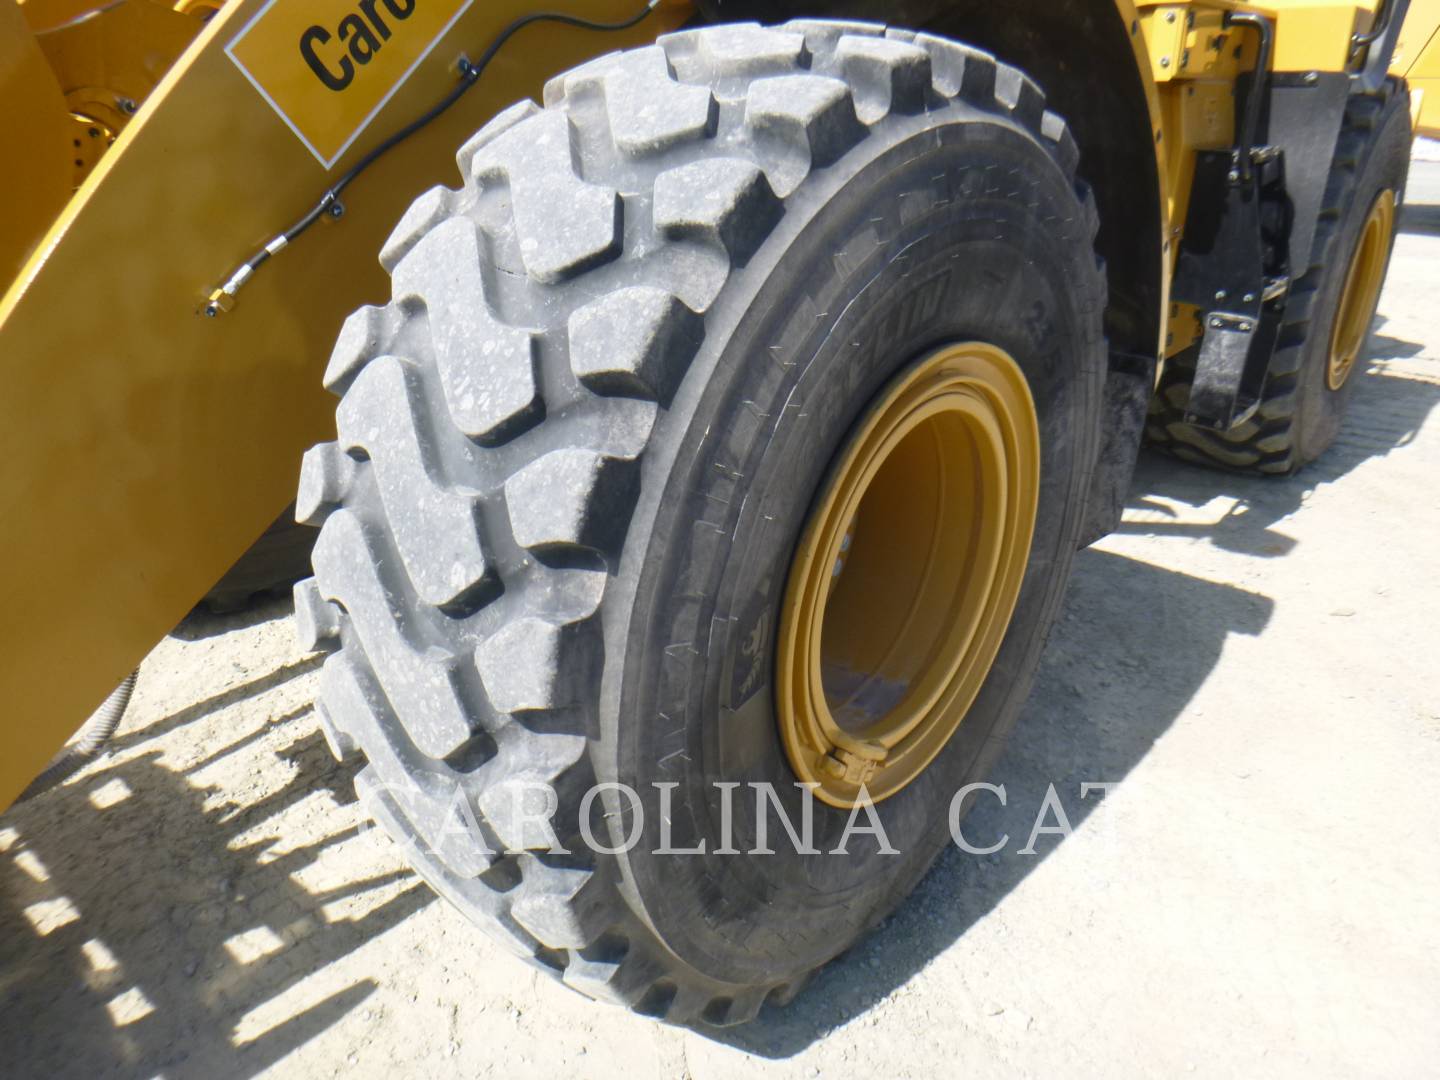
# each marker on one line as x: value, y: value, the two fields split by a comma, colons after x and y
x: 328, y: 66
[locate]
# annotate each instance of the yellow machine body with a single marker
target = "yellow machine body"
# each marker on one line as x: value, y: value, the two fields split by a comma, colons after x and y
x: 144, y: 444
x: 1417, y: 58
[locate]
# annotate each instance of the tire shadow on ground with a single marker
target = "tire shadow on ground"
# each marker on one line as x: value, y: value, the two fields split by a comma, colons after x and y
x: 1388, y: 407
x: 1421, y: 220
x: 1124, y: 620
x: 155, y: 921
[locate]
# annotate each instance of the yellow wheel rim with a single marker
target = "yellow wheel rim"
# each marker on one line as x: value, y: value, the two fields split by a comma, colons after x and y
x: 1361, y: 294
x: 907, y: 574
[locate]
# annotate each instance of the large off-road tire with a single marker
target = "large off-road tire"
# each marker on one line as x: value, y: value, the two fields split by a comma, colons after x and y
x: 577, y: 448
x: 1302, y: 406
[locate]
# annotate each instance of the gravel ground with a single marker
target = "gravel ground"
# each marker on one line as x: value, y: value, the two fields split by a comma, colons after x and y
x: 1251, y: 664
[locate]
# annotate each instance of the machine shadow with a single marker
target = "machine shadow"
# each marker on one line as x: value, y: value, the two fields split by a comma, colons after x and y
x: 1133, y: 646
x: 149, y: 921
x: 1422, y: 219
x: 201, y: 623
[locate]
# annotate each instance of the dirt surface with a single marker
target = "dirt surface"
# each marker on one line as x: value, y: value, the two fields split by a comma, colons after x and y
x: 1251, y: 664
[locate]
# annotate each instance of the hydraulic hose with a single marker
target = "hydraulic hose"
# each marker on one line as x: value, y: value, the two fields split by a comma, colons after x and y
x: 329, y: 203
x: 93, y: 737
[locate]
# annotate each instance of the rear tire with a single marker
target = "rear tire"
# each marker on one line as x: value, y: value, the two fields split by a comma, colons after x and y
x: 1300, y: 413
x: 577, y: 448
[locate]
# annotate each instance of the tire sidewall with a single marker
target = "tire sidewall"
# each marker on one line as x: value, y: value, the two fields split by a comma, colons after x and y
x: 961, y: 231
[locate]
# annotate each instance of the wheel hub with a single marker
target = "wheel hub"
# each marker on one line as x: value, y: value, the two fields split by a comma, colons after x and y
x: 907, y: 573
x: 1361, y: 294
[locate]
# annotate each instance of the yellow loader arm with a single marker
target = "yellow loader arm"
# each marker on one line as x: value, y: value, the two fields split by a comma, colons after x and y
x: 146, y: 445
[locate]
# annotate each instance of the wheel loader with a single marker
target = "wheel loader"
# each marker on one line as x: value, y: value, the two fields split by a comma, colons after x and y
x: 700, y: 398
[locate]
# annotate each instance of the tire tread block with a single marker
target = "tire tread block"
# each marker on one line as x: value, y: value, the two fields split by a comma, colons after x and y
x: 435, y: 529
x: 488, y: 370
x: 565, y: 224
x: 421, y: 684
